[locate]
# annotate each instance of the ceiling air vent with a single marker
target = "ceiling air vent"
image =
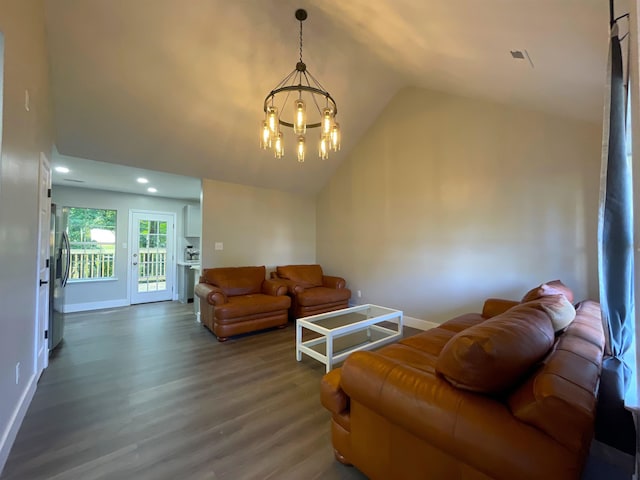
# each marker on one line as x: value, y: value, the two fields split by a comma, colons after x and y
x: 521, y: 55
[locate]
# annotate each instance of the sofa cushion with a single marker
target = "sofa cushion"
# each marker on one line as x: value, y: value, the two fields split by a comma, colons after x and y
x: 560, y: 310
x: 553, y: 287
x: 236, y: 280
x: 304, y: 275
x: 242, y: 306
x: 322, y: 295
x: 492, y: 356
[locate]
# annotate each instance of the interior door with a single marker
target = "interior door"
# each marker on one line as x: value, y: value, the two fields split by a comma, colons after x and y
x: 44, y: 241
x: 152, y: 256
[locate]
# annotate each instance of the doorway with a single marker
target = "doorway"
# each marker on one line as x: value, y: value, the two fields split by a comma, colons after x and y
x: 44, y: 249
x: 152, y: 256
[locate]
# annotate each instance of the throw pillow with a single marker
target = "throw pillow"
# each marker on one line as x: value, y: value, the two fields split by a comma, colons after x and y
x: 553, y: 287
x: 558, y: 308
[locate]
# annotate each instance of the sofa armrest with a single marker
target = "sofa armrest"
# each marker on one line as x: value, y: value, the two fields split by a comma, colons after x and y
x: 211, y: 294
x: 332, y: 396
x: 333, y: 282
x: 274, y: 287
x: 496, y: 306
x: 478, y: 430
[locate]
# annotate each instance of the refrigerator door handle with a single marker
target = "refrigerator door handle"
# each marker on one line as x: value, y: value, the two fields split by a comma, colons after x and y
x: 67, y: 247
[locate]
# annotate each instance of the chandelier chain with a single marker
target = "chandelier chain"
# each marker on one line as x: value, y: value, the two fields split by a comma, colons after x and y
x: 300, y: 41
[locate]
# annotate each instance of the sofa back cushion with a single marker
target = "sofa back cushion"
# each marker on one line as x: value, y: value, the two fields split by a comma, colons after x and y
x: 236, y: 280
x: 304, y: 275
x: 560, y: 398
x: 492, y: 356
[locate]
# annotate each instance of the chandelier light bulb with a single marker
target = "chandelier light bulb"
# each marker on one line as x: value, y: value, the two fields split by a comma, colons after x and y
x: 323, y: 150
x: 278, y: 147
x: 327, y: 121
x: 300, y: 122
x: 272, y: 120
x: 265, y: 137
x: 335, y: 137
x: 301, y: 149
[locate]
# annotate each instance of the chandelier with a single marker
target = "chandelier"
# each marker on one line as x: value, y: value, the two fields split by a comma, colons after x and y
x: 311, y: 107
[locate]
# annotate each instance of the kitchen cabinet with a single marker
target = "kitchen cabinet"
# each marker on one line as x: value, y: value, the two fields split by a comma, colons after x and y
x: 192, y: 221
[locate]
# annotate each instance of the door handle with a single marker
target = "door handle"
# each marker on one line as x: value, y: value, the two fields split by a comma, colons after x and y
x: 43, y: 282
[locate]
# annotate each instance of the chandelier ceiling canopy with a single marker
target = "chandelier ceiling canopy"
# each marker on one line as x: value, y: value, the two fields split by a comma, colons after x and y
x: 311, y: 107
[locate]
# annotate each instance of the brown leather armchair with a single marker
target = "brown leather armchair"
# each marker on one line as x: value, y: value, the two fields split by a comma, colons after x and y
x: 237, y: 300
x: 311, y: 291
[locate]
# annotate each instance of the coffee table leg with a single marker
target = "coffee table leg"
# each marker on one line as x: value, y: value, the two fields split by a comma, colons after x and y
x: 329, y: 352
x: 298, y: 341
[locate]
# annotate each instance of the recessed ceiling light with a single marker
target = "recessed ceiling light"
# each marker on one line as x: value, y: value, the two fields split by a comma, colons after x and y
x: 152, y: 190
x: 62, y: 169
x: 142, y: 180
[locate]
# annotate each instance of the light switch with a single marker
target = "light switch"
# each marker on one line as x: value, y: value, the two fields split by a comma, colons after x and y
x: 219, y: 246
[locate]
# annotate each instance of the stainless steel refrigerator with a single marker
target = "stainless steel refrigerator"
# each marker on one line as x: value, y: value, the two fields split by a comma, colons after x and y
x: 59, y: 265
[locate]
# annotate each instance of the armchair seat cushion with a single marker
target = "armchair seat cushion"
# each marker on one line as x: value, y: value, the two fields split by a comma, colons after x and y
x: 252, y: 304
x: 320, y: 295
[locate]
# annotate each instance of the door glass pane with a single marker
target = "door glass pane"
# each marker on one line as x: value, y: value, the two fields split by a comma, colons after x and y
x: 152, y: 256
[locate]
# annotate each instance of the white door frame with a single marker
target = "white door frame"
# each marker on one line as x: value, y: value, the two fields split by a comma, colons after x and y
x: 41, y: 344
x: 171, y: 264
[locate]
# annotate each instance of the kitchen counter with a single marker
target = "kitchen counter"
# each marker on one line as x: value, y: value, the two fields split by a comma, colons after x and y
x: 186, y: 280
x: 188, y: 263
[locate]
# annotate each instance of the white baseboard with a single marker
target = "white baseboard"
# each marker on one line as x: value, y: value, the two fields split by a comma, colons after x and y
x: 83, y: 307
x: 419, y: 324
x: 10, y: 433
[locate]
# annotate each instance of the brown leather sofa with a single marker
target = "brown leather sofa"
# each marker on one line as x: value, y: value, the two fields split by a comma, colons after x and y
x: 497, y: 395
x: 311, y: 291
x: 237, y: 300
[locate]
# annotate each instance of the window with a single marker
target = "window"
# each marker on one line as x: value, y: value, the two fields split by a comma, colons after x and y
x: 92, y: 235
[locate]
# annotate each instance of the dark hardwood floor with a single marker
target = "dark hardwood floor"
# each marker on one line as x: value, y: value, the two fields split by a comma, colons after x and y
x: 145, y: 392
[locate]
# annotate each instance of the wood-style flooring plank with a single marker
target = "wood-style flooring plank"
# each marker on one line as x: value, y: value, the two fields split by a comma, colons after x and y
x: 145, y: 392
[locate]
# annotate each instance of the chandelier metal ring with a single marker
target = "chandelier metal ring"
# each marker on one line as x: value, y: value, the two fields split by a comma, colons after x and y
x: 297, y: 88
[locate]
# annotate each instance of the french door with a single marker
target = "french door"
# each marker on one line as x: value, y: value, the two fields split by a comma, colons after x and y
x: 151, y: 256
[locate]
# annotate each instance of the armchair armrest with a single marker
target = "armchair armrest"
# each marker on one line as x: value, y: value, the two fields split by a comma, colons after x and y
x: 274, y: 287
x: 333, y: 282
x: 496, y: 306
x: 292, y: 287
x: 477, y: 430
x: 211, y: 294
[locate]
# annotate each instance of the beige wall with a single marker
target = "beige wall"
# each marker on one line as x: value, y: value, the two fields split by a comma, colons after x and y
x: 24, y: 135
x: 449, y: 200
x: 256, y: 226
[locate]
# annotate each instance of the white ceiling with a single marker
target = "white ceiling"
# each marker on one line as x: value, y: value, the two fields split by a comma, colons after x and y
x: 90, y: 174
x: 178, y: 86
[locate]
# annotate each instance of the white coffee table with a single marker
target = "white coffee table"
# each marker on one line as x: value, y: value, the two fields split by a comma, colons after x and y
x: 345, y: 331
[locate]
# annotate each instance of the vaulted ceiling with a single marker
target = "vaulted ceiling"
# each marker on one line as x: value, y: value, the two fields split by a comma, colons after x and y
x: 178, y: 85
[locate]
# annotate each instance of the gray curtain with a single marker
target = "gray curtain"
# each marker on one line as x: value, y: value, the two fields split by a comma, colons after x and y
x: 615, y: 257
